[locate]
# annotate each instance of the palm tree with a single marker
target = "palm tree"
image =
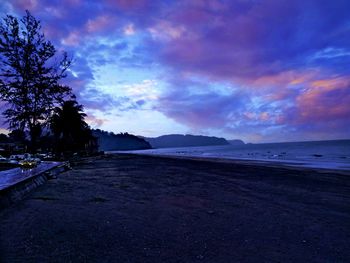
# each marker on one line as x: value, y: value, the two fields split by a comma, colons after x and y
x: 69, y: 128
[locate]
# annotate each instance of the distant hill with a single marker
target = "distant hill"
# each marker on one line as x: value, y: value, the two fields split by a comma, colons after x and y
x: 108, y: 141
x: 236, y: 142
x: 179, y: 140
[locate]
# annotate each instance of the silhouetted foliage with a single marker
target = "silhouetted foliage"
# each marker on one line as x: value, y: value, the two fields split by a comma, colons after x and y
x: 69, y: 128
x: 29, y: 75
x: 4, y: 138
x: 17, y: 136
x: 108, y: 141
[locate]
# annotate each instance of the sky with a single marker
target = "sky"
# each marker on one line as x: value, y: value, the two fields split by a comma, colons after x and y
x: 260, y: 71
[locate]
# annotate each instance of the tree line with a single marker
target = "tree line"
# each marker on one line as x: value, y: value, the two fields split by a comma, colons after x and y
x: 36, y: 104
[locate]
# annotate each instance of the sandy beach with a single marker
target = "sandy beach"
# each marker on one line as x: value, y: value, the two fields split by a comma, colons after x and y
x: 132, y: 208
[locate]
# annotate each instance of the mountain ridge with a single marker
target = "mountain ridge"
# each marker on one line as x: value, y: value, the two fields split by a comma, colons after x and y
x: 187, y: 140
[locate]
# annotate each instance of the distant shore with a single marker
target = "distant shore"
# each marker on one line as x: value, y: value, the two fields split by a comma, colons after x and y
x: 132, y: 208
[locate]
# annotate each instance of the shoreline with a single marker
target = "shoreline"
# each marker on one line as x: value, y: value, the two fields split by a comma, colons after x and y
x: 287, y: 164
x: 329, y: 155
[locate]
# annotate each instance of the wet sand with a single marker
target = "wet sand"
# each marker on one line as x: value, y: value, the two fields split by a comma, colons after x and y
x: 124, y: 208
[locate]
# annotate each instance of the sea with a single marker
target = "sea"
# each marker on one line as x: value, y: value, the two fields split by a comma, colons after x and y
x: 333, y: 154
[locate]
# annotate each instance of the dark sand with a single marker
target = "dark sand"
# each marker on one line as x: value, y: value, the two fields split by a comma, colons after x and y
x: 148, y: 209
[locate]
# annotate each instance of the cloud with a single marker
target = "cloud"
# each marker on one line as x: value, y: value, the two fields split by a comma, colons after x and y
x: 95, y: 99
x: 146, y: 90
x: 25, y: 4
x: 325, y: 101
x: 94, y: 121
x: 250, y: 67
x: 129, y: 30
x: 204, y: 107
x: 165, y: 31
x: 73, y: 39
x: 304, y: 106
x: 100, y: 23
x: 128, y: 5
x: 251, y: 44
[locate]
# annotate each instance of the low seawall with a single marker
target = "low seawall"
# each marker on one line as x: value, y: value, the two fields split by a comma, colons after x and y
x: 16, y: 183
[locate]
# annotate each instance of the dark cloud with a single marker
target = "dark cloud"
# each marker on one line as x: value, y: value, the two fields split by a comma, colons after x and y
x: 286, y: 61
x: 262, y: 39
x: 202, y: 109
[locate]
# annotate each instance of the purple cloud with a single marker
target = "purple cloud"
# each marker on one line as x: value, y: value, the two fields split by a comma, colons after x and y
x: 286, y: 62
